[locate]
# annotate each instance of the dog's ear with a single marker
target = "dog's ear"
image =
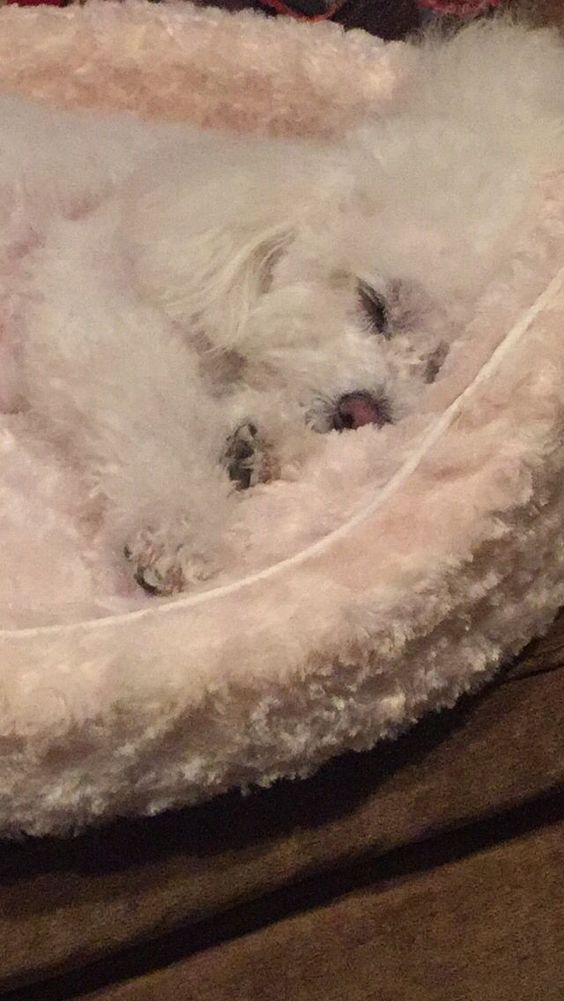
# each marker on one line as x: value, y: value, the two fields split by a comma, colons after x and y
x: 208, y: 267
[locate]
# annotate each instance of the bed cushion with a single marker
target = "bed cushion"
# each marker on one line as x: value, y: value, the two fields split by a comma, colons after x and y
x: 445, y: 560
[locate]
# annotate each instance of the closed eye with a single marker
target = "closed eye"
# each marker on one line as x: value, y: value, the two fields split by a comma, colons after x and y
x: 375, y: 309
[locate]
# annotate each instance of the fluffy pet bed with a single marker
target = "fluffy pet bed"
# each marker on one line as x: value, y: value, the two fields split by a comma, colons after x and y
x: 382, y: 582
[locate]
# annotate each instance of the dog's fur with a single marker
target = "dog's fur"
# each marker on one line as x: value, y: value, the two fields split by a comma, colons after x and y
x: 191, y: 307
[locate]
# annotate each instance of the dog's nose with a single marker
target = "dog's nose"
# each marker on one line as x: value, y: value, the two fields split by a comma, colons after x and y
x: 355, y: 410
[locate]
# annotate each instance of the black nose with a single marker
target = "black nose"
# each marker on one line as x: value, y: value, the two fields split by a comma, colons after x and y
x: 355, y: 410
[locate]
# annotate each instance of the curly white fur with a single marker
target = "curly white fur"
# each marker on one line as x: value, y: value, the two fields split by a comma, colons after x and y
x: 173, y: 285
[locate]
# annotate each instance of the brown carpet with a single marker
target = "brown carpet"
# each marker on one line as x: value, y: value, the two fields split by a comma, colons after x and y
x: 480, y: 928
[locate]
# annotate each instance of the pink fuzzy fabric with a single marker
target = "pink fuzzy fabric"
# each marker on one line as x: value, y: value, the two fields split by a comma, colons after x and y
x: 382, y: 582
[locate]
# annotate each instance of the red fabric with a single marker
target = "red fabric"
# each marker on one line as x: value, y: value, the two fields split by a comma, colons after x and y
x: 276, y: 5
x: 283, y: 8
x: 34, y: 3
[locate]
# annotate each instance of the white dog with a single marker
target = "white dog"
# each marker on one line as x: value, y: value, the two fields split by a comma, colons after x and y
x: 191, y: 308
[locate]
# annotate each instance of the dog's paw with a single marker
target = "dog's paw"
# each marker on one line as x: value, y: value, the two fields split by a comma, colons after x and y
x: 163, y: 565
x: 248, y: 458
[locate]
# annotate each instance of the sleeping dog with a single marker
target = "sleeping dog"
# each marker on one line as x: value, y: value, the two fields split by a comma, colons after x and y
x: 189, y: 310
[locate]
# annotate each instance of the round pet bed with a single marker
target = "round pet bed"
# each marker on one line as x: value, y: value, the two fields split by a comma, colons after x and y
x: 394, y: 575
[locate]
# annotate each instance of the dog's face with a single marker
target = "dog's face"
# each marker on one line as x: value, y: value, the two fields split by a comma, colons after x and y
x: 349, y: 342
x: 304, y: 271
x: 412, y: 221
x: 337, y: 281
x: 362, y: 302
x: 392, y: 343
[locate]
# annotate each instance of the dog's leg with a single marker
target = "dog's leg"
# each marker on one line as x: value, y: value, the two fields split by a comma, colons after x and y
x: 169, y: 489
x: 109, y: 377
x: 151, y: 442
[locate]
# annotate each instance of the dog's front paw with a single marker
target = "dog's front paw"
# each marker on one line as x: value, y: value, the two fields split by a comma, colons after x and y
x: 248, y: 458
x: 164, y: 565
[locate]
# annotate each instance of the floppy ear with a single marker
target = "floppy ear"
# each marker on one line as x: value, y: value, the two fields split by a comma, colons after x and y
x: 229, y: 268
x: 203, y: 239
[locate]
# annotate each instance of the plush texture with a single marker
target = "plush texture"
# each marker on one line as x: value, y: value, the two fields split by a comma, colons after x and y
x: 438, y: 555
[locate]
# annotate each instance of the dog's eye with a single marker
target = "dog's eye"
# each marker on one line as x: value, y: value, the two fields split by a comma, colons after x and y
x: 374, y: 306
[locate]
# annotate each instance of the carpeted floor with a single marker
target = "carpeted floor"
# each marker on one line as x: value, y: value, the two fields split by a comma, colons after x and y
x: 438, y: 934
